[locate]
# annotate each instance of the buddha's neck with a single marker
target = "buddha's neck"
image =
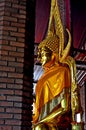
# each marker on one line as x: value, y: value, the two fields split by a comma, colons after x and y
x: 48, y: 65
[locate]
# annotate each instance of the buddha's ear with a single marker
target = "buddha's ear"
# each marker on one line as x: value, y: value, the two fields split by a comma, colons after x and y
x: 53, y: 56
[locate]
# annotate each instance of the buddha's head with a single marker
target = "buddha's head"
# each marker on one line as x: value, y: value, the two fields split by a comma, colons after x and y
x: 48, y: 49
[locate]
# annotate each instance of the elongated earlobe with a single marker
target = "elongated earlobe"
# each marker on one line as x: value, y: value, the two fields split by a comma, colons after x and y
x: 53, y: 56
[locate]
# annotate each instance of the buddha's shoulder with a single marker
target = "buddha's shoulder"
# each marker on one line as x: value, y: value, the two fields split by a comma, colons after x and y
x: 62, y: 66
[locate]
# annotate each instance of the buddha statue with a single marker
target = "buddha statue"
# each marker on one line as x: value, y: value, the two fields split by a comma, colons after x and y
x: 53, y: 89
x: 57, y: 99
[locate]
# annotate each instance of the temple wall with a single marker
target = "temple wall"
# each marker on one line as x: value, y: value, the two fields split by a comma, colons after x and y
x: 16, y: 63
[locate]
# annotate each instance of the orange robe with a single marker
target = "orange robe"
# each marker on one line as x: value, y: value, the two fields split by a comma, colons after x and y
x: 50, y: 85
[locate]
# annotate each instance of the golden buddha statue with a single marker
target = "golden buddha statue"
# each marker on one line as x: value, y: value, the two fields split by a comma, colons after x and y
x: 53, y: 88
x: 57, y: 100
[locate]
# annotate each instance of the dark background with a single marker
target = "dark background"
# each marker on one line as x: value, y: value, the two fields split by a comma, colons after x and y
x: 78, y: 20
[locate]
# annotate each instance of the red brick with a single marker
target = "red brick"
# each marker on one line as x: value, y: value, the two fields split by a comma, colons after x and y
x: 16, y: 128
x: 12, y: 1
x: 7, y: 13
x: 1, y: 12
x: 8, y: 4
x: 7, y: 28
x: 6, y: 80
x: 13, y: 122
x: 22, y: 16
x: 17, y: 116
x: 6, y: 92
x: 2, y: 4
x: 1, y: 27
x: 4, y: 42
x: 1, y: 23
x: 2, y: 52
x: 3, y: 85
x: 15, y: 24
x: 1, y: 18
x: 6, y: 116
x: 8, y: 18
x: 1, y: 122
x: 18, y: 92
x: 22, y: 30
x: 17, y: 44
x: 2, y: 109
x: 15, y: 86
x: 3, y: 63
x: 19, y: 70
x: 22, y: 12
x: 7, y: 23
x: 16, y: 34
x: 3, y: 74
x: 13, y: 110
x: 5, y: 33
x: 9, y: 38
x: 19, y: 81
x: 7, y: 58
x: 21, y: 39
x: 14, y: 98
x: 15, y: 75
x: 9, y: 48
x: 17, y: 104
x: 5, y: 127
x: 16, y: 64
x: 17, y: 54
x: 19, y: 59
x: 6, y: 68
x: 20, y: 49
x: 2, y: 97
x: 0, y: 32
x: 22, y: 21
x: 6, y: 104
x: 18, y: 6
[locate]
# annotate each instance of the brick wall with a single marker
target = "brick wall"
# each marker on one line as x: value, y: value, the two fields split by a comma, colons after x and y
x: 16, y: 63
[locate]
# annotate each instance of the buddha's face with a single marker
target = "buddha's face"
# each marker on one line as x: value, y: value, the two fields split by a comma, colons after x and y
x: 44, y: 55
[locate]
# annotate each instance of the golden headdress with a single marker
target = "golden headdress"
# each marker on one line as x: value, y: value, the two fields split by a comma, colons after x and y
x: 55, y: 34
x: 51, y: 43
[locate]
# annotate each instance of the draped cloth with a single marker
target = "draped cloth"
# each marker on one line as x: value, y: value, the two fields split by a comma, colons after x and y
x: 50, y: 90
